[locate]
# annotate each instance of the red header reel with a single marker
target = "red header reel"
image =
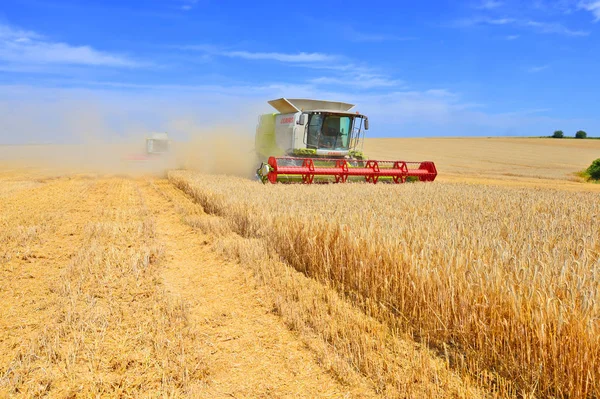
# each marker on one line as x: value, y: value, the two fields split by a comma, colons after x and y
x: 305, y: 170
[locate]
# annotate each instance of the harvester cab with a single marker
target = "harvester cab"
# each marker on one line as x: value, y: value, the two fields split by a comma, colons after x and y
x: 311, y: 128
x: 322, y: 141
x: 157, y: 144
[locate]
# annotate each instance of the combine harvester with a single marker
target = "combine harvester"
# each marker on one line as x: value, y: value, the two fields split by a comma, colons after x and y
x: 312, y: 141
x: 157, y: 146
x: 156, y: 156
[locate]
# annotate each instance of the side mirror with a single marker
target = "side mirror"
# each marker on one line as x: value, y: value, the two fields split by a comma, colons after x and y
x: 367, y: 124
x: 302, y: 120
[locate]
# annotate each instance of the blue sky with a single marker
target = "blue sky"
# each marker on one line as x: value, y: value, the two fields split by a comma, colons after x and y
x: 433, y: 68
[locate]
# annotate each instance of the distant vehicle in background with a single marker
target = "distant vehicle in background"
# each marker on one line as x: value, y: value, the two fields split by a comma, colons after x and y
x: 158, y: 146
x: 158, y: 143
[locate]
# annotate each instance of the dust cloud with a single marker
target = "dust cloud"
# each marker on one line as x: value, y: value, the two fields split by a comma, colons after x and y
x: 119, y: 157
x: 216, y: 149
x: 79, y: 131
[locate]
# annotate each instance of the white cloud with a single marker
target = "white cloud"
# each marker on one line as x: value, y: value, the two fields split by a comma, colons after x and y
x: 363, y: 81
x: 281, y: 57
x: 500, y: 21
x: 45, y: 114
x: 296, y: 58
x: 188, y: 5
x: 536, y: 69
x: 22, y: 47
x: 593, y: 7
x: 553, y: 27
x: 341, y: 73
x: 371, y: 37
x: 18, y: 35
x: 512, y: 37
x: 489, y: 5
x: 538, y: 26
x: 338, y: 67
x: 473, y: 21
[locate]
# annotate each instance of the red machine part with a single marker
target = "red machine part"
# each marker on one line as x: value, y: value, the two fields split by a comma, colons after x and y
x: 341, y: 169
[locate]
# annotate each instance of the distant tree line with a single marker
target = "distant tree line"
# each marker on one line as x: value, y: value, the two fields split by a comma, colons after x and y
x: 559, y: 134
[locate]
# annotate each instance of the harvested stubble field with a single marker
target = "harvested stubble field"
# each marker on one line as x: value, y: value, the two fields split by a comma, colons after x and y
x: 205, y: 286
x: 105, y: 291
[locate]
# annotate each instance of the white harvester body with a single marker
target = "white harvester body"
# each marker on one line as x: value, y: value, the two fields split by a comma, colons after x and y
x: 158, y: 143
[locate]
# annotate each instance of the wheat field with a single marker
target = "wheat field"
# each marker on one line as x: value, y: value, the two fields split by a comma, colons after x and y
x: 503, y: 280
x: 485, y: 283
x: 506, y: 279
x: 542, y: 160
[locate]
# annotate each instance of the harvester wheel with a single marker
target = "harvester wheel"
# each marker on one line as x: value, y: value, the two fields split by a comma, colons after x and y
x: 262, y: 173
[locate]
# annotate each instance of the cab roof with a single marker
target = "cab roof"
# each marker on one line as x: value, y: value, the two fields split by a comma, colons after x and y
x: 328, y: 111
x: 159, y: 136
x: 293, y: 105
